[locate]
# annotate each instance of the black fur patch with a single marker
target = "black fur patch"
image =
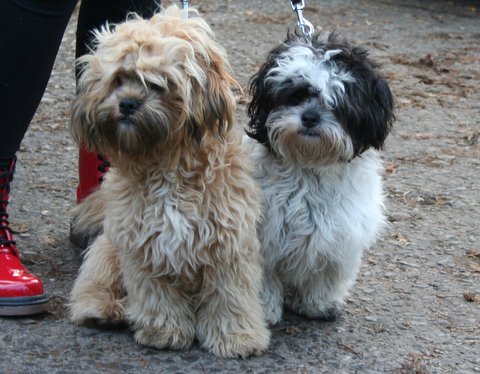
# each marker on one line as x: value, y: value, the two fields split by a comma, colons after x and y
x: 367, y: 114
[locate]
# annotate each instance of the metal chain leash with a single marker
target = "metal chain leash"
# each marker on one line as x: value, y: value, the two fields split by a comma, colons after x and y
x: 185, y: 8
x: 305, y: 27
x: 303, y: 24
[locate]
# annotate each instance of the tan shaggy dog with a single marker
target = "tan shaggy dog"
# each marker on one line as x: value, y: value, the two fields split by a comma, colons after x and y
x: 179, y: 255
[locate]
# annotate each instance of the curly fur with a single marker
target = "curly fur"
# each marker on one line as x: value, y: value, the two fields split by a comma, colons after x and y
x: 179, y: 254
x: 318, y: 112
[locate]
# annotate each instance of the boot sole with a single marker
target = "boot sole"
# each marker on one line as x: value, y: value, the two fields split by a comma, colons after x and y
x: 23, y: 306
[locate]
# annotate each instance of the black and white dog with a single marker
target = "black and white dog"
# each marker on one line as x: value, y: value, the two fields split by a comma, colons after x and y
x: 318, y: 114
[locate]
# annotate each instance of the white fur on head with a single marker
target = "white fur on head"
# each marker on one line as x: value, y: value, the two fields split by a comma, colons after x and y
x: 305, y: 81
x: 325, y: 84
x: 326, y: 144
x: 300, y: 66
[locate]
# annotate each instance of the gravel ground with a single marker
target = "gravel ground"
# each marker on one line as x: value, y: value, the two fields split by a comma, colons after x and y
x: 416, y: 305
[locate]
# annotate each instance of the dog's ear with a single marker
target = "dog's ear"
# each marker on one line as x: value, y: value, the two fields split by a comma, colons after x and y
x: 259, y: 107
x: 81, y: 114
x: 81, y: 124
x: 219, y: 98
x: 211, y: 100
x: 368, y: 109
x: 263, y: 101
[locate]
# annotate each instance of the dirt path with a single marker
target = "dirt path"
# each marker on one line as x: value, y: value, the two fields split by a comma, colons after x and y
x: 416, y: 305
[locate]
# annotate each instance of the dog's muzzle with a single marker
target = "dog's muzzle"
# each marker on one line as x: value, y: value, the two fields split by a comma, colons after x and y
x: 128, y: 106
x: 310, y: 119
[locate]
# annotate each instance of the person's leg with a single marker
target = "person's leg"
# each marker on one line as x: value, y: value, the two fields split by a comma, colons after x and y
x: 94, y: 14
x: 31, y: 32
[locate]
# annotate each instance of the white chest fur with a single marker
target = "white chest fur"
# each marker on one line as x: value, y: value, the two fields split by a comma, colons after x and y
x: 315, y: 215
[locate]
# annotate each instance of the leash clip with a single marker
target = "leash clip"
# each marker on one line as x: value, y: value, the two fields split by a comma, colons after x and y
x: 185, y: 8
x: 306, y: 27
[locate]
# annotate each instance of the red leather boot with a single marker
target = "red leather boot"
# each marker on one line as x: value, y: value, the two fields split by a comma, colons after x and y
x: 21, y: 293
x: 91, y: 169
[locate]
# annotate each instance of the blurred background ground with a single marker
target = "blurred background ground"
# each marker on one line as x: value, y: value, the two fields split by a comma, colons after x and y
x: 416, y: 305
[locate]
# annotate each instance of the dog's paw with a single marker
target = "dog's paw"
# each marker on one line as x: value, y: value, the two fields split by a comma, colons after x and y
x: 273, y: 313
x: 272, y: 301
x: 240, y: 345
x: 165, y: 337
x: 328, y: 312
x: 100, y: 313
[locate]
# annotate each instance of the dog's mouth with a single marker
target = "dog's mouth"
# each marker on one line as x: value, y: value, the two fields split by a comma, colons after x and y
x: 126, y: 122
x: 308, y: 133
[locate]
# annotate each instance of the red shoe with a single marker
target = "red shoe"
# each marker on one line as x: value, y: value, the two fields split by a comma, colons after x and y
x: 21, y: 293
x: 91, y: 169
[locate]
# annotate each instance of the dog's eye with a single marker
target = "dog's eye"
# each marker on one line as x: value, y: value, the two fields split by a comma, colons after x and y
x: 118, y: 81
x: 157, y: 88
x: 298, y: 97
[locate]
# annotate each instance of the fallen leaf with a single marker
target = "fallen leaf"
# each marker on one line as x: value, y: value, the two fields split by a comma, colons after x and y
x: 471, y: 297
x: 291, y: 330
x: 391, y: 167
x: 474, y: 267
x: 19, y: 227
x: 421, y: 136
x: 401, y: 238
x: 473, y: 254
x: 347, y: 348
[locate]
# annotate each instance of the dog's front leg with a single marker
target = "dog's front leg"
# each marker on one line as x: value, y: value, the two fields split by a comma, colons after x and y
x: 97, y: 295
x: 87, y: 220
x: 230, y: 318
x: 319, y: 294
x: 272, y: 297
x: 161, y: 314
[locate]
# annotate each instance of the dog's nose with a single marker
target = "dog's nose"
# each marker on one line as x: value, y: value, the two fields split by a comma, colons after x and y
x: 310, y: 118
x: 128, y: 106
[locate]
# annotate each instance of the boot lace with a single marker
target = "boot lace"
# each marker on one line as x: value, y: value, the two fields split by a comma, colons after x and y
x: 103, y: 167
x: 6, y: 176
